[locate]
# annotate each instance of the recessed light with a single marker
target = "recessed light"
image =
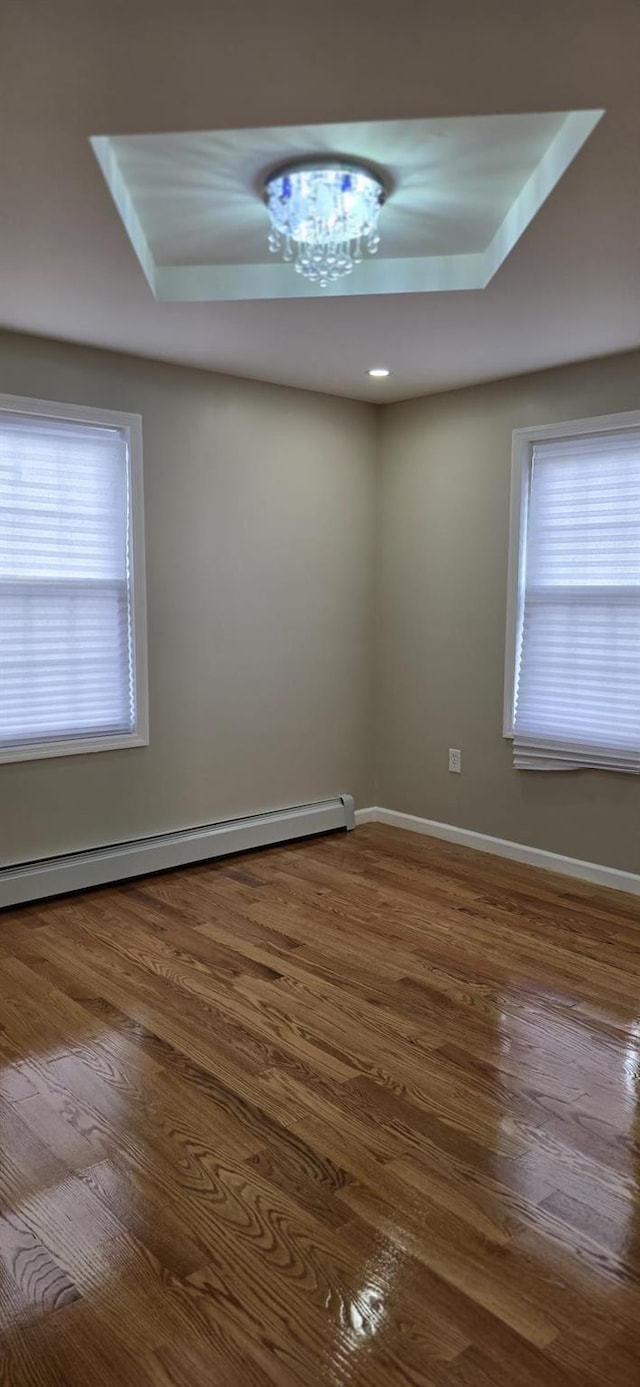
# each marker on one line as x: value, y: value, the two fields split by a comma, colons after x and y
x: 378, y: 371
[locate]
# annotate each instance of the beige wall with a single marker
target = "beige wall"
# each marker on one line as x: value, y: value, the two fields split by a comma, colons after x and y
x: 260, y: 528
x: 444, y: 507
x: 263, y: 578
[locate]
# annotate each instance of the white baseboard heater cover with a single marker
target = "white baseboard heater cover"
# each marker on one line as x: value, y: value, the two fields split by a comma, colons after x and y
x: 54, y: 876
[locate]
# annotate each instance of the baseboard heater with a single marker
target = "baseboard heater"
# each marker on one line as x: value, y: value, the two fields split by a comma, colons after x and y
x: 54, y: 876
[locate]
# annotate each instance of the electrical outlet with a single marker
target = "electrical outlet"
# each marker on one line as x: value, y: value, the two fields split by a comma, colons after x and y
x: 455, y: 759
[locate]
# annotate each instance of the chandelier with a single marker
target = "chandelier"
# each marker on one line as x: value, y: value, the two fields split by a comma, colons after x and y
x: 324, y: 217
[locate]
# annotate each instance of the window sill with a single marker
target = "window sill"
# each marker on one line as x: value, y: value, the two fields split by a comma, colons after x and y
x: 76, y: 746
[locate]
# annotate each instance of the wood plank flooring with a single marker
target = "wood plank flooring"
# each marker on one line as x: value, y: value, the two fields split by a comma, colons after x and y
x: 361, y: 1111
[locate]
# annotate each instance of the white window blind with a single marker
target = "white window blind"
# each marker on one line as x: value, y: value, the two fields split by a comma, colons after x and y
x: 67, y: 666
x: 577, y: 678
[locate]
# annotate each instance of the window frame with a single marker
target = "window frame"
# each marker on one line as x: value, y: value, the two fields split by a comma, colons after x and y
x: 131, y: 426
x: 522, y: 444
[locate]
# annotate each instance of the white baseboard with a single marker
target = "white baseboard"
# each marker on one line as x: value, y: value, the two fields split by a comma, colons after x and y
x: 32, y: 881
x: 502, y: 847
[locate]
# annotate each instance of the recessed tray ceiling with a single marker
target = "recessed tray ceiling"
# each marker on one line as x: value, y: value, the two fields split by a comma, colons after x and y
x: 463, y: 191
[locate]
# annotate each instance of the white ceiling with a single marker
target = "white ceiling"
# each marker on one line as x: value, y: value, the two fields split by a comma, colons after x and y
x: 463, y: 190
x: 570, y: 289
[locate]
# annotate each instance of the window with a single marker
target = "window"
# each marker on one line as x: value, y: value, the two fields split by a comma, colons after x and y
x: 72, y: 635
x: 572, y: 687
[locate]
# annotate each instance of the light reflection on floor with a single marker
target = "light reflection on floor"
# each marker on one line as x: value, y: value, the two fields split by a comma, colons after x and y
x: 594, y: 1092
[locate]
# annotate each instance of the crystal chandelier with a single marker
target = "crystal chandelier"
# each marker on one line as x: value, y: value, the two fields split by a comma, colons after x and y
x: 324, y: 217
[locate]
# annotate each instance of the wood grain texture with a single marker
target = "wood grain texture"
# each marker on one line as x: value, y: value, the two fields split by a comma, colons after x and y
x: 361, y: 1112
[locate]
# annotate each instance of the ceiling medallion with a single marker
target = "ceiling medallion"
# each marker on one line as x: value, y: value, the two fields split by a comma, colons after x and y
x: 324, y: 216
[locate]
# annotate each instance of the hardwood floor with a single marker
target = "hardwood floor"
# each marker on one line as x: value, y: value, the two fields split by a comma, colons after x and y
x: 361, y: 1112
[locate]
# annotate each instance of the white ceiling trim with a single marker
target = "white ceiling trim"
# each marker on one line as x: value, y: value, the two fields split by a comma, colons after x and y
x: 575, y: 130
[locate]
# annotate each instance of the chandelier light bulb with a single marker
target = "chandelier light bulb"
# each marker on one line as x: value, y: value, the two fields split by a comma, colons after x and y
x: 324, y: 217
